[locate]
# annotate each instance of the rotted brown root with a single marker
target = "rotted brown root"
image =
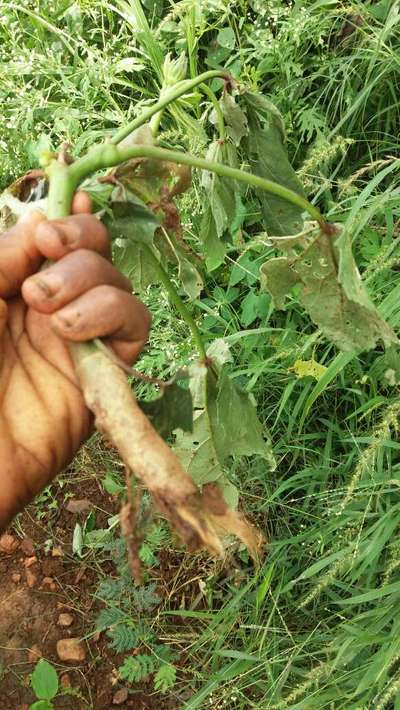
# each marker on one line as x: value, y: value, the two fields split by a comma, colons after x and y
x: 201, y: 520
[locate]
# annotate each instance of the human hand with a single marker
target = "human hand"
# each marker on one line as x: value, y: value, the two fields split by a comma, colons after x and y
x: 43, y: 417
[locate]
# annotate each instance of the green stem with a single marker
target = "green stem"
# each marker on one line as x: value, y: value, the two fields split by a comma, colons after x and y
x: 176, y: 301
x: 106, y: 156
x: 176, y: 92
x: 220, y: 116
x: 61, y: 190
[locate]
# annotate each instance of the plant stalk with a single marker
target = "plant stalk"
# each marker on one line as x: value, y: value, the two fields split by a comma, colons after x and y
x: 183, y: 87
x: 107, y: 156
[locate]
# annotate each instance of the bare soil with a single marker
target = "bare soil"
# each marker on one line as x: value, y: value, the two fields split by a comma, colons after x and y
x: 33, y: 593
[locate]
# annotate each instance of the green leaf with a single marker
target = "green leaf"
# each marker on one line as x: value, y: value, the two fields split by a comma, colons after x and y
x: 235, y: 118
x: 266, y: 149
x: 330, y: 288
x: 112, y: 486
x: 137, y: 668
x: 214, y: 248
x: 222, y: 207
x: 172, y: 410
x: 42, y: 705
x: 254, y: 305
x: 135, y: 262
x: 226, y: 425
x: 165, y: 677
x: 44, y: 680
x: 132, y: 225
x: 278, y: 276
x: 226, y: 38
x: 131, y: 219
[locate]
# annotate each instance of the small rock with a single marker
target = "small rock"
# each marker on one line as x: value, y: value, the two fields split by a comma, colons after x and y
x: 78, y: 506
x: 8, y: 544
x: 57, y: 552
x: 27, y: 547
x: 16, y: 577
x: 65, y: 620
x: 71, y: 650
x: 120, y: 696
x: 65, y: 679
x: 34, y: 654
x: 49, y: 582
x: 29, y: 561
x: 31, y: 578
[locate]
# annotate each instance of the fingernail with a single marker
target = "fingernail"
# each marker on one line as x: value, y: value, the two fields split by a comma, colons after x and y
x: 67, y: 319
x: 43, y: 286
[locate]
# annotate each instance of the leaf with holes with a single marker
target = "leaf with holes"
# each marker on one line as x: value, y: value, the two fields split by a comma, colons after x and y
x: 330, y: 288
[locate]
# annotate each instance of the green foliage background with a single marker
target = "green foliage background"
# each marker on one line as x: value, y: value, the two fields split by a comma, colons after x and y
x: 318, y: 625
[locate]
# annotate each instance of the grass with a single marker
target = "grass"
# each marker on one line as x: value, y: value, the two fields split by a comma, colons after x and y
x: 318, y: 625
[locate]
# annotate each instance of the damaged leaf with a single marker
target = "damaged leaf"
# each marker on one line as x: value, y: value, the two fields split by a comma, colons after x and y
x: 268, y: 158
x: 227, y: 425
x: 330, y: 288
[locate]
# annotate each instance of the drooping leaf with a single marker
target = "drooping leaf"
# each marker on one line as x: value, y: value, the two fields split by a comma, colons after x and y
x: 226, y: 425
x: 131, y: 218
x: 235, y: 118
x: 213, y: 247
x: 132, y: 226
x: 44, y: 680
x: 330, y: 288
x: 266, y: 149
x: 172, y: 410
x: 221, y: 205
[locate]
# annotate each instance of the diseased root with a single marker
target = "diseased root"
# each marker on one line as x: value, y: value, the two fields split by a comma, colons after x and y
x: 200, y: 519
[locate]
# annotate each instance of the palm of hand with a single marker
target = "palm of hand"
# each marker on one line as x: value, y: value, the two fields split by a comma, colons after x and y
x: 43, y: 416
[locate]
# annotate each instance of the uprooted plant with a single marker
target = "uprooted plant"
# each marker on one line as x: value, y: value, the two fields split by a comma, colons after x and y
x: 137, y: 197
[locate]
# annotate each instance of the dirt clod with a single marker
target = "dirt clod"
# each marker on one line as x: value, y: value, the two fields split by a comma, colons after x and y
x: 29, y: 561
x: 49, y: 582
x: 65, y: 679
x: 78, y: 506
x: 28, y: 547
x: 71, y: 650
x: 16, y: 577
x: 65, y: 620
x: 8, y: 544
x: 31, y: 578
x: 120, y: 696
